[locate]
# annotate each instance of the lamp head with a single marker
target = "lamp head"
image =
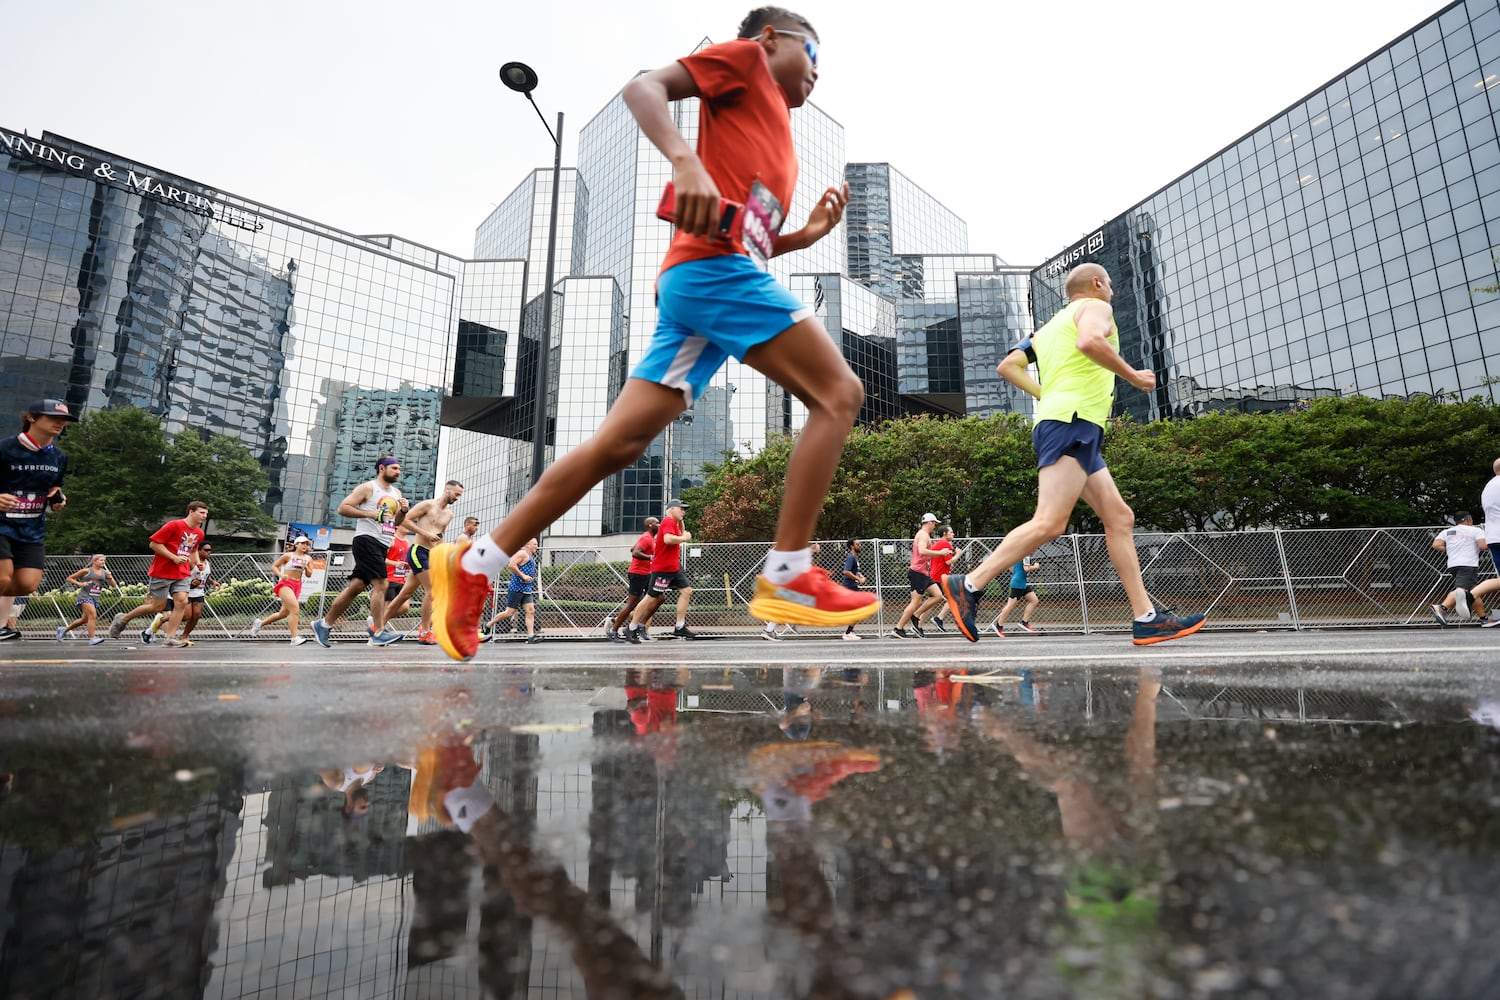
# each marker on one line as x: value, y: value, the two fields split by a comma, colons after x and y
x: 518, y: 77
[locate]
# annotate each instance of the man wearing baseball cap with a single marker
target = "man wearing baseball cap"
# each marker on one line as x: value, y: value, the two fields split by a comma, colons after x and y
x: 1463, y: 542
x: 924, y: 589
x: 31, y: 475
x: 666, y: 575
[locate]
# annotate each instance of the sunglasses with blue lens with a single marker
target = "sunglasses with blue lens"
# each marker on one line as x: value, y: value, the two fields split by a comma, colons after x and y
x: 809, y: 43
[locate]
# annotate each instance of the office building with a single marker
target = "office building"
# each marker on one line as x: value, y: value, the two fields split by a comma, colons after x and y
x: 123, y: 285
x: 1333, y: 249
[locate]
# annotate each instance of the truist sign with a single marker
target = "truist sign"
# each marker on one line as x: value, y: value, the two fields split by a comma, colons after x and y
x: 1064, y: 261
x: 143, y: 184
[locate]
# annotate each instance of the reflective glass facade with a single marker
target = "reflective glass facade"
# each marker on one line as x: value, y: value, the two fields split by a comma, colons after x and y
x: 123, y: 285
x: 1332, y: 250
x: 957, y: 313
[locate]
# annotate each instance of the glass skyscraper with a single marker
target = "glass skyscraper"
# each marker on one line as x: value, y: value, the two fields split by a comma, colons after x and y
x: 1334, y: 249
x: 957, y: 313
x: 321, y: 351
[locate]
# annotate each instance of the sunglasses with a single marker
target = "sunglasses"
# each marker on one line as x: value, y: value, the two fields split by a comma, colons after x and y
x: 808, y: 42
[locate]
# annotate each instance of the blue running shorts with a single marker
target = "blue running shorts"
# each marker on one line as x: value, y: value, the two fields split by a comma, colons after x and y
x: 709, y: 310
x: 1079, y: 438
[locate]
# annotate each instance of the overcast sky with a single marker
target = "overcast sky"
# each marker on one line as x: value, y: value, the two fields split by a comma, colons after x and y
x: 1033, y: 121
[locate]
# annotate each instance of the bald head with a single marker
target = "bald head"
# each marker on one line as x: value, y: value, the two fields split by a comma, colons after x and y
x: 1081, y: 280
x: 1497, y: 466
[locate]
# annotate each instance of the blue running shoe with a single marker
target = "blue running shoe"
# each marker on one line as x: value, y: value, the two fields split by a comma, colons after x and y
x: 385, y: 637
x: 146, y: 637
x: 1165, y: 626
x: 963, y: 603
x: 321, y: 632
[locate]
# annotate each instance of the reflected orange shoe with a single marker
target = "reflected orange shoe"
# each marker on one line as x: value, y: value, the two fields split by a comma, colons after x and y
x: 808, y: 770
x: 439, y: 770
x: 811, y: 599
x: 458, y: 601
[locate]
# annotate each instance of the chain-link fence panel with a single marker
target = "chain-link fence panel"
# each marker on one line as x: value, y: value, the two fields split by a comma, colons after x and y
x: 1305, y: 578
x: 1386, y: 576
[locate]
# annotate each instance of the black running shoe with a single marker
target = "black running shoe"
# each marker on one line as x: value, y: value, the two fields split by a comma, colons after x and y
x: 632, y: 636
x: 964, y: 604
x: 684, y: 632
x: 1165, y: 626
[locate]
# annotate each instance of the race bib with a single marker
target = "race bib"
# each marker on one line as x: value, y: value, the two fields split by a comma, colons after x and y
x: 761, y: 222
x: 28, y: 505
x: 385, y: 515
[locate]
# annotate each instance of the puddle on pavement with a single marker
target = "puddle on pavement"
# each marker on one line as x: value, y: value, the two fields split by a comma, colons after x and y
x: 778, y: 833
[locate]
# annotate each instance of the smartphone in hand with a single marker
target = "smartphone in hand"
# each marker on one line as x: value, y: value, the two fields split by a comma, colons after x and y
x: 729, y: 212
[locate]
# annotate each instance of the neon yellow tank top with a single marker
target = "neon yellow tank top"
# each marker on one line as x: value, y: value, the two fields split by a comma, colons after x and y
x: 1071, y: 383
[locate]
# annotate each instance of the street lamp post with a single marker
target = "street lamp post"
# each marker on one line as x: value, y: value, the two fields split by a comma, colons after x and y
x: 522, y: 79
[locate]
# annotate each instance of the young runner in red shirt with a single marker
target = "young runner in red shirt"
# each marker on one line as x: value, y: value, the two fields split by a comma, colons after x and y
x: 666, y: 575
x: 715, y: 300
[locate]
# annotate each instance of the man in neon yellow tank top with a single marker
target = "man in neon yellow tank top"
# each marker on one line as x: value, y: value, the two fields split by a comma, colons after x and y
x: 1077, y: 355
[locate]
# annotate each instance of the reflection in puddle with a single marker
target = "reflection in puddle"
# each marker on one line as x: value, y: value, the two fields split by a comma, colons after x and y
x: 806, y: 832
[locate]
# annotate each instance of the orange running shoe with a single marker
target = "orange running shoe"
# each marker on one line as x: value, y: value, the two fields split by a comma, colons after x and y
x: 811, y: 599
x: 458, y: 600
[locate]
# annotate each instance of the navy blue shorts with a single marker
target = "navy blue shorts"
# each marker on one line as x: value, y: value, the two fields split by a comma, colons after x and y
x: 1078, y: 438
x: 417, y: 558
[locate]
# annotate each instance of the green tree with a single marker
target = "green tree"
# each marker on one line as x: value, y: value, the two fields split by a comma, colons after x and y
x: 1345, y: 462
x: 116, y: 486
x: 221, y: 472
x: 125, y: 479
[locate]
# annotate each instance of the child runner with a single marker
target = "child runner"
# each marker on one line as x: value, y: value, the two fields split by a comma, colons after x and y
x: 715, y: 300
x: 90, y: 582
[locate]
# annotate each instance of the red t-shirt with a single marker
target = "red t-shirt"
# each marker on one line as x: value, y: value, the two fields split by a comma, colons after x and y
x: 651, y: 708
x: 744, y: 135
x: 397, y: 551
x: 646, y: 543
x: 179, y: 537
x: 667, y: 558
x: 940, y: 564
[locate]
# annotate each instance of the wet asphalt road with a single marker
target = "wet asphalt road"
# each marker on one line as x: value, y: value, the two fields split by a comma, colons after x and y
x: 1235, y: 814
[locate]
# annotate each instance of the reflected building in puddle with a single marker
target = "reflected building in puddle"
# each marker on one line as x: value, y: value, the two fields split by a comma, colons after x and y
x: 672, y: 833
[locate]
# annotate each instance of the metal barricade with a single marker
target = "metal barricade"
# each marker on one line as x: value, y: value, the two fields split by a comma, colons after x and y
x: 1287, y: 579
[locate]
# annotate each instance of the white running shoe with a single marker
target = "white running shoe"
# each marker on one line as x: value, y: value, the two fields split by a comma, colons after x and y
x: 852, y: 635
x: 61, y: 632
x: 255, y: 628
x: 1461, y: 602
x: 298, y: 640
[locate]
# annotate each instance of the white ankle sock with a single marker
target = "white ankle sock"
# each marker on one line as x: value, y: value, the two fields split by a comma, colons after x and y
x: 681, y: 623
x: 784, y: 567
x: 485, y: 558
x: 1149, y: 616
x: 970, y: 587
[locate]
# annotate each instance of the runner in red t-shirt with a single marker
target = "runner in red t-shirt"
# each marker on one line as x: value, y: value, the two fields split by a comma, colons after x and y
x: 396, y: 569
x: 940, y: 568
x: 639, y: 575
x: 666, y: 575
x: 173, y: 544
x: 716, y: 300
